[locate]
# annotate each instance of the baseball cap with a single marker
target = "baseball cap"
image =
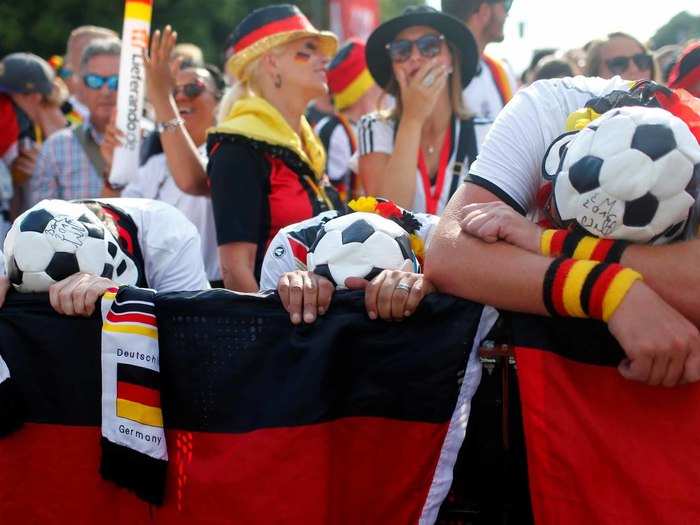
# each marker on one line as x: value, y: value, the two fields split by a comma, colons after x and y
x: 25, y: 73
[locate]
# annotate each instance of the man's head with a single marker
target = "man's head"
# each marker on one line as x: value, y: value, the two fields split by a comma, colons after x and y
x: 30, y: 82
x: 78, y: 40
x: 484, y: 18
x: 99, y: 73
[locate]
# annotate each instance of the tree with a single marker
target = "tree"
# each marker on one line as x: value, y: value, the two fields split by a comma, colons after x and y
x: 678, y: 30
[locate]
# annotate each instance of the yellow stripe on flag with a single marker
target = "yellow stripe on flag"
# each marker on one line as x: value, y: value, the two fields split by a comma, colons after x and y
x: 573, y: 286
x: 354, y: 90
x: 109, y: 296
x: 151, y: 416
x: 124, y: 328
x: 585, y: 248
x: 138, y: 11
x: 546, y: 242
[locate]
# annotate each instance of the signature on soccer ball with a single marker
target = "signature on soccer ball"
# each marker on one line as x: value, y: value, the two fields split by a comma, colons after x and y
x: 601, y: 217
x: 64, y: 228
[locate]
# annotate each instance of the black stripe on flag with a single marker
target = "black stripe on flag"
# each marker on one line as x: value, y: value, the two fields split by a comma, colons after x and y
x: 137, y: 375
x: 132, y: 307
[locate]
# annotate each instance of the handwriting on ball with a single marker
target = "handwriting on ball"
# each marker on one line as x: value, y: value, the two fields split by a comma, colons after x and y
x: 599, y: 214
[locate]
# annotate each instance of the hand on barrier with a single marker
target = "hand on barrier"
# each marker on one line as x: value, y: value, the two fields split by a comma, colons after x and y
x: 662, y: 346
x: 304, y: 295
x: 77, y: 294
x: 496, y: 221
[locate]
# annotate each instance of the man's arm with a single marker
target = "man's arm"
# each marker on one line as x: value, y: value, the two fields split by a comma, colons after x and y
x: 43, y: 183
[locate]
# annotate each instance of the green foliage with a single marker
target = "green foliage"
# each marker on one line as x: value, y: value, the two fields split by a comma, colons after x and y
x: 678, y: 30
x: 392, y: 8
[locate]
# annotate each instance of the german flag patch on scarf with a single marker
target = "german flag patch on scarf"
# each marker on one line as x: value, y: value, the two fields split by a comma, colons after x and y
x: 134, y: 452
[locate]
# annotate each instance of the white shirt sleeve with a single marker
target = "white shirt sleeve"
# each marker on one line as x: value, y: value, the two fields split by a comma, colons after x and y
x: 278, y: 260
x: 510, y: 158
x: 339, y: 153
x: 375, y: 135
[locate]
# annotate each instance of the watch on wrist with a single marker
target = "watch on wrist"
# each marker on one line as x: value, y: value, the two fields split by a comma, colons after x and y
x: 169, y: 125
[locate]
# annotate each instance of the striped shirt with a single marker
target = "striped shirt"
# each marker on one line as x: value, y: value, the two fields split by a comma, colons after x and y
x: 63, y: 170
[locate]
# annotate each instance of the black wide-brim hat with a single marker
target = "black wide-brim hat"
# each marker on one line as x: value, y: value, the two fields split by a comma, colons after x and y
x: 454, y: 31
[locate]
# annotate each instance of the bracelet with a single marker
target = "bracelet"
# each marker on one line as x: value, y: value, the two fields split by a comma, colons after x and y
x: 586, y: 289
x: 170, y: 125
x: 555, y: 243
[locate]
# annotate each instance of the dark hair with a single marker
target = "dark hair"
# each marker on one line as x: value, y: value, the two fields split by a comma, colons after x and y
x: 216, y: 76
x: 461, y: 9
x: 552, y: 67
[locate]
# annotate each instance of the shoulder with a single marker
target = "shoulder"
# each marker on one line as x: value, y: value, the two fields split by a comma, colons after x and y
x: 59, y: 138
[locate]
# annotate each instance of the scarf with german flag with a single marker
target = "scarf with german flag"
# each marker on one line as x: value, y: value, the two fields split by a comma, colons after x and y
x: 134, y: 452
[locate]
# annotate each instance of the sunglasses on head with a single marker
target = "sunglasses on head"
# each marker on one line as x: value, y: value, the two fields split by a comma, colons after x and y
x: 191, y: 90
x: 506, y: 3
x: 96, y: 82
x: 618, y: 65
x: 428, y: 46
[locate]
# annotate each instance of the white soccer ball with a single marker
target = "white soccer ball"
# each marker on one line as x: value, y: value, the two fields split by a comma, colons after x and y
x: 359, y: 245
x: 631, y: 174
x: 55, y: 239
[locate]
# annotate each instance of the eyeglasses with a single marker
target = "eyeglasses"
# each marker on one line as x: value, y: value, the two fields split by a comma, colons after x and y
x: 96, y: 81
x: 428, y: 46
x: 191, y: 90
x: 506, y: 3
x: 618, y: 65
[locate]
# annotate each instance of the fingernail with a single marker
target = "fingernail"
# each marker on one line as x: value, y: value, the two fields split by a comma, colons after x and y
x: 406, y: 313
x: 309, y: 317
x: 296, y: 318
x: 321, y: 311
x: 372, y: 315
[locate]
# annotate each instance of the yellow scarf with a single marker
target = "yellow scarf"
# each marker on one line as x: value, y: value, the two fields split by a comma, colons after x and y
x: 255, y: 118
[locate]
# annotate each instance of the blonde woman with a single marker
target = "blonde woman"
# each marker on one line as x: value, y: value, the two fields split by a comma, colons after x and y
x: 418, y: 154
x: 266, y: 167
x: 620, y: 54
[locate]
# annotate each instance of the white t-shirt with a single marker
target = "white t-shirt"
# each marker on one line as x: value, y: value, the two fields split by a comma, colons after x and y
x: 338, y: 150
x: 288, y: 249
x: 155, y: 182
x: 482, y: 97
x: 510, y: 159
x: 376, y: 135
x: 169, y: 242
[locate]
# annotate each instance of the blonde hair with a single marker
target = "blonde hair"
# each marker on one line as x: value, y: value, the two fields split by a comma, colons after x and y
x: 454, y: 86
x: 594, y: 55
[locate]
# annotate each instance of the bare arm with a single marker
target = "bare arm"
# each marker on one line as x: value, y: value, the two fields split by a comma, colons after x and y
x: 237, y: 261
x: 180, y: 150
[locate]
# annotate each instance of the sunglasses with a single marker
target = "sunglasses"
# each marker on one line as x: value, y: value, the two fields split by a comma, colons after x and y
x: 65, y: 73
x: 506, y: 3
x: 428, y: 46
x: 618, y: 65
x: 191, y: 90
x: 96, y: 81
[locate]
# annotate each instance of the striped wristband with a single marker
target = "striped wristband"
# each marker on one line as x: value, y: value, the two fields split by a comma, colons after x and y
x: 586, y: 288
x: 555, y: 243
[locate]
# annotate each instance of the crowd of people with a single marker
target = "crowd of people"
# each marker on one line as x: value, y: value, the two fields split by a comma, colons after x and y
x: 296, y: 128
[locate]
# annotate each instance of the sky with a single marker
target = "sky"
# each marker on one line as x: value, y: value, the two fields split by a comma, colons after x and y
x: 566, y: 23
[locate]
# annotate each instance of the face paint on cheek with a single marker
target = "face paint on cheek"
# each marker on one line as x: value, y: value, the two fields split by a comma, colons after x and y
x: 302, y: 57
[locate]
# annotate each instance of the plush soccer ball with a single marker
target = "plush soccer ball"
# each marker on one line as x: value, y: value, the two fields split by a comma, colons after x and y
x: 632, y: 174
x: 359, y: 245
x: 55, y: 239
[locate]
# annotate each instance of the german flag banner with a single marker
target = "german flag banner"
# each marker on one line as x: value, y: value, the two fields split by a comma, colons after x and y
x: 134, y: 452
x: 602, y: 449
x: 345, y: 421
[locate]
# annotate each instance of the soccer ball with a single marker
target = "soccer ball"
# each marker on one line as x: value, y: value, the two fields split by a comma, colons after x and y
x: 359, y: 245
x: 55, y: 239
x: 632, y: 174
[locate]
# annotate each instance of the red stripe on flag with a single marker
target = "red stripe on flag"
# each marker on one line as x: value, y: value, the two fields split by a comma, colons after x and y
x: 292, y: 23
x: 600, y: 252
x: 595, y: 302
x: 131, y: 317
x: 604, y: 450
x: 138, y: 394
x: 557, y: 243
x: 147, y: 2
x: 338, y: 472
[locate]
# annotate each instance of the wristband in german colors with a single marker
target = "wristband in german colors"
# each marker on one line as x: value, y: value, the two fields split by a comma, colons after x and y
x: 555, y: 243
x: 585, y: 288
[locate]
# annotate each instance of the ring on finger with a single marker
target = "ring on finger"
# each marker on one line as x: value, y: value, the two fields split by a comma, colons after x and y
x: 404, y: 286
x: 428, y: 80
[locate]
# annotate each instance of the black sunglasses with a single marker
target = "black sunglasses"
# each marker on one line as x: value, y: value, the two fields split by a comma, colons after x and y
x: 618, y: 65
x: 191, y: 90
x: 428, y: 45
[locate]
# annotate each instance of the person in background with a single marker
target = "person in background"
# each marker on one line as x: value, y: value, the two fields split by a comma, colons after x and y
x: 552, y: 67
x: 189, y: 54
x: 418, y: 153
x: 620, y: 54
x: 686, y: 73
x: 69, y: 71
x: 70, y: 165
x: 354, y: 94
x: 666, y: 57
x: 30, y: 110
x: 266, y: 166
x: 493, y: 84
x: 185, y: 101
